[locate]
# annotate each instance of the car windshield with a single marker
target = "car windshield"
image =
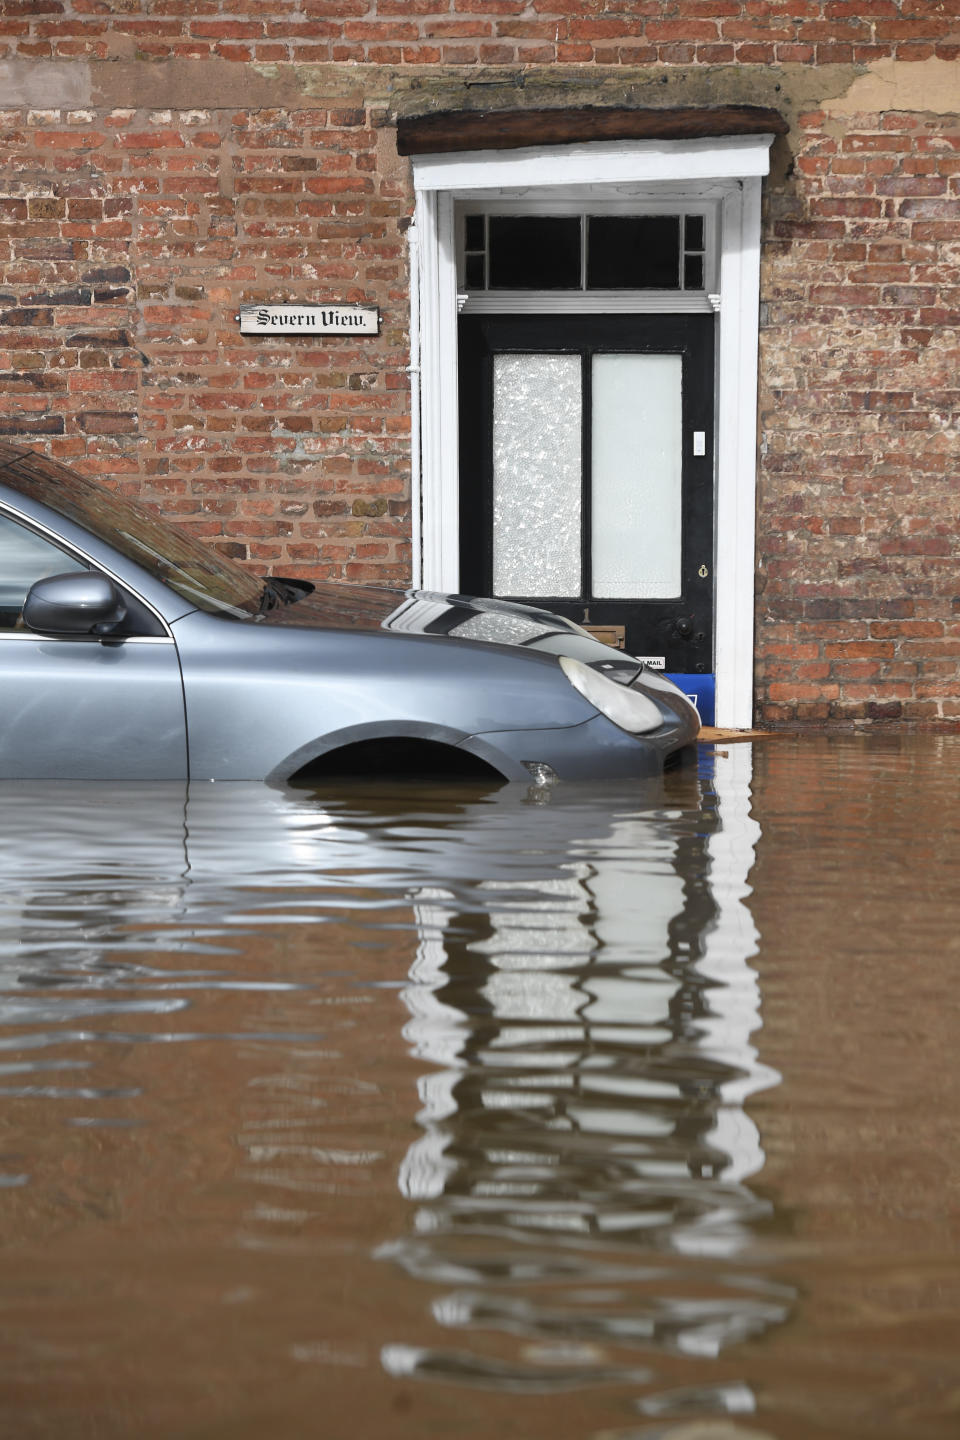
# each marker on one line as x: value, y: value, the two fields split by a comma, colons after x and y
x: 196, y: 571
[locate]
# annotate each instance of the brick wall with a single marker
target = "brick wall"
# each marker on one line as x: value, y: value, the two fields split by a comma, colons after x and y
x: 485, y: 32
x: 130, y: 237
x: 859, y: 592
x: 167, y: 160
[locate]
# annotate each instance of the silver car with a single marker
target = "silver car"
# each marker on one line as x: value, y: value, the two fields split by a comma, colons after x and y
x: 131, y: 650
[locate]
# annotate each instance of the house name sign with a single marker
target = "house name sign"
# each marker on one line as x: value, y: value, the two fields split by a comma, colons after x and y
x: 309, y: 320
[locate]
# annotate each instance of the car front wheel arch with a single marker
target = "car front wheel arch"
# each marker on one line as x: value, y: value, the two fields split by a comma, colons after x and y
x: 397, y: 757
x: 403, y: 749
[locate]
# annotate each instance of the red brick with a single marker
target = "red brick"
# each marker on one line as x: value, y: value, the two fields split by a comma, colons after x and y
x: 69, y: 139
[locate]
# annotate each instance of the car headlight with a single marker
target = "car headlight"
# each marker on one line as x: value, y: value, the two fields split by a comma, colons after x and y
x: 630, y: 709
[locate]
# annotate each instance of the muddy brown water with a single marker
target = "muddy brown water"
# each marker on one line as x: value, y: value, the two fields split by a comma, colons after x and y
x: 594, y: 1114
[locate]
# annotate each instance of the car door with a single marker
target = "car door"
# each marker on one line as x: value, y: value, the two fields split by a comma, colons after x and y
x: 83, y: 707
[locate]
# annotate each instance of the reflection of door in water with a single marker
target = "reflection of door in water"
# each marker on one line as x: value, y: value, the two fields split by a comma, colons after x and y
x: 586, y: 473
x: 584, y: 1007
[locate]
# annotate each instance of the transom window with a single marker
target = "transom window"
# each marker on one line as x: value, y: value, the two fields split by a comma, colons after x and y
x: 583, y: 252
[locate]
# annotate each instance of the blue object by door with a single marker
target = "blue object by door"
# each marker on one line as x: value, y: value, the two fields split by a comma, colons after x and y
x: 701, y: 690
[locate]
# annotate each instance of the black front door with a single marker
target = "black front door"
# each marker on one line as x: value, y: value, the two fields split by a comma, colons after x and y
x: 586, y: 474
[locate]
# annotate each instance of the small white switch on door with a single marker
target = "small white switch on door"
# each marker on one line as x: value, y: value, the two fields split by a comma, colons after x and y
x: 699, y: 442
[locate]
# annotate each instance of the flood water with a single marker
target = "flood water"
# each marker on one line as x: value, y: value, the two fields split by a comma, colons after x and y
x: 622, y: 1113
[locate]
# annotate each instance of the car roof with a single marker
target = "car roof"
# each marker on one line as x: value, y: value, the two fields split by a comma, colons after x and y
x: 10, y: 454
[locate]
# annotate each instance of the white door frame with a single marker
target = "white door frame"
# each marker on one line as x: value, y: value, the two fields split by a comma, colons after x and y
x: 731, y: 167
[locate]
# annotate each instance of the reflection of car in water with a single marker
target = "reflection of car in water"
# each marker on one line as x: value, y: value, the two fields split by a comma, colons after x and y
x: 580, y: 1001
x: 131, y: 650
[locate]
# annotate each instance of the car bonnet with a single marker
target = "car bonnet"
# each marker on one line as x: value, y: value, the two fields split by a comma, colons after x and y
x: 338, y: 606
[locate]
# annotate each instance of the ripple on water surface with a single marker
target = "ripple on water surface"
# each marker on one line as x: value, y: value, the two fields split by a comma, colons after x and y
x: 593, y: 1112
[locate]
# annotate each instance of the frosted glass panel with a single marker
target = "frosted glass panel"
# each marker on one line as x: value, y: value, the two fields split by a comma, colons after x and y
x: 637, y: 452
x: 537, y: 410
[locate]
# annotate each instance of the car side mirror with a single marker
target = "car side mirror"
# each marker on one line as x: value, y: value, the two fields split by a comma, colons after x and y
x: 82, y: 602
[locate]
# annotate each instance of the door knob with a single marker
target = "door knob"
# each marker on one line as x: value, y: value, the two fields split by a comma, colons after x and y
x: 683, y: 628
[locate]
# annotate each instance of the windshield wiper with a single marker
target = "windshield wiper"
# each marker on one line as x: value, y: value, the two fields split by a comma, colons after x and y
x: 277, y: 591
x: 274, y: 594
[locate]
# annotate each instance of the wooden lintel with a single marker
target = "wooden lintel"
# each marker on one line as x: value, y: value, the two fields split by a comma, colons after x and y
x: 448, y: 131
